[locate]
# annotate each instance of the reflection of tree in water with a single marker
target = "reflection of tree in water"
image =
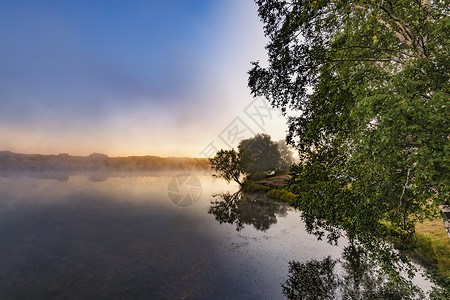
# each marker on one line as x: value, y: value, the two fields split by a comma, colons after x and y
x: 361, y: 279
x: 240, y: 209
x: 311, y: 280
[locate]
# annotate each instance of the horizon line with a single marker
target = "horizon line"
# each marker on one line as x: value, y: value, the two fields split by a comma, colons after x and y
x: 110, y: 156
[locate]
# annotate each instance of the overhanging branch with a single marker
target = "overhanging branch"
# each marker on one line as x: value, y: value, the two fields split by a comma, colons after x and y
x: 370, y: 59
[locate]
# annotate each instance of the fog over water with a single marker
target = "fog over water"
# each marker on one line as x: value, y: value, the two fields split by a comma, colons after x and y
x: 124, y: 237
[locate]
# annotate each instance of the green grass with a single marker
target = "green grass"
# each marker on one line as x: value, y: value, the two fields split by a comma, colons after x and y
x: 271, y: 186
x: 250, y: 187
x: 432, y: 245
x: 282, y: 195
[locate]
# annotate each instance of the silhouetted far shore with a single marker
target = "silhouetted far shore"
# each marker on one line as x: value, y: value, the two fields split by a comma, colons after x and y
x: 96, y: 162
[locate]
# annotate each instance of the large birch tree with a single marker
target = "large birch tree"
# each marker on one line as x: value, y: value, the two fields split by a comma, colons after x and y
x: 366, y: 87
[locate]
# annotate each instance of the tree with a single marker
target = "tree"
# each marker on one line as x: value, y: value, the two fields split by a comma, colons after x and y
x: 370, y: 80
x: 286, y: 159
x: 255, y: 159
x: 227, y: 165
x: 259, y: 155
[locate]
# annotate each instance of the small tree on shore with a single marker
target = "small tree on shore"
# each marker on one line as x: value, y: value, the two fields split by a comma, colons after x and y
x: 259, y: 156
x: 227, y: 165
x: 255, y: 159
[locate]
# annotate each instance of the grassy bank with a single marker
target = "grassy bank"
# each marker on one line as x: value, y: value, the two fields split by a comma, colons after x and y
x: 431, y: 245
x: 272, y: 187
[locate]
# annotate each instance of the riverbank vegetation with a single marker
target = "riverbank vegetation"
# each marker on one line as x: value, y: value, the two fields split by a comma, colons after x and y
x: 96, y: 162
x: 429, y: 246
x: 370, y: 81
x: 365, y: 86
x: 255, y: 159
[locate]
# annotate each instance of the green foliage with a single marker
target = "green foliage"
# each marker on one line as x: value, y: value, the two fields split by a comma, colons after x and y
x: 259, y: 155
x: 434, y: 251
x: 255, y: 159
x: 258, y: 175
x: 250, y: 187
x: 286, y: 159
x: 371, y: 80
x: 227, y: 165
x: 282, y: 195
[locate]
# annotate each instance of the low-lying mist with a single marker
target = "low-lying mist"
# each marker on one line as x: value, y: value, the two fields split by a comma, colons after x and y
x: 10, y: 161
x: 96, y: 165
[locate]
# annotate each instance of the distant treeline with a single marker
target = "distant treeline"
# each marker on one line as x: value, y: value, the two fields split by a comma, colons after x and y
x: 10, y: 161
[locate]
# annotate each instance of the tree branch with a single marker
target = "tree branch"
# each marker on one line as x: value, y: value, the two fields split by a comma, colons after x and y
x: 382, y: 49
x: 370, y: 59
x: 397, y: 20
x: 404, y: 189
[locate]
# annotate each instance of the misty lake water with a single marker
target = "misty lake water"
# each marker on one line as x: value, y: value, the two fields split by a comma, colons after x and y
x: 125, y: 238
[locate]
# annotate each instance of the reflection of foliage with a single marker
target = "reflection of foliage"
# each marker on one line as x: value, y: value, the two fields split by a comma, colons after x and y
x: 239, y: 208
x: 391, y: 260
x: 311, y: 280
x: 362, y: 279
x: 328, y: 205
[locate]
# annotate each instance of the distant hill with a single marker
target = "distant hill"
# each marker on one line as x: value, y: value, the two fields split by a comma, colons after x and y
x: 6, y: 153
x: 10, y: 161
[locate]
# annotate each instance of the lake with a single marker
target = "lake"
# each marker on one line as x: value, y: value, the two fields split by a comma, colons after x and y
x: 158, y: 236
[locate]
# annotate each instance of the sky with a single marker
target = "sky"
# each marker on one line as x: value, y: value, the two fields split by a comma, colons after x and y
x: 165, y: 78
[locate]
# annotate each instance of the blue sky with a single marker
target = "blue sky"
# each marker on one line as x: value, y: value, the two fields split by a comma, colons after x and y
x: 126, y: 77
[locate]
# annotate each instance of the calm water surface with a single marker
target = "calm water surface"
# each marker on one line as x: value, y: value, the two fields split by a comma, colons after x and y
x: 123, y: 238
